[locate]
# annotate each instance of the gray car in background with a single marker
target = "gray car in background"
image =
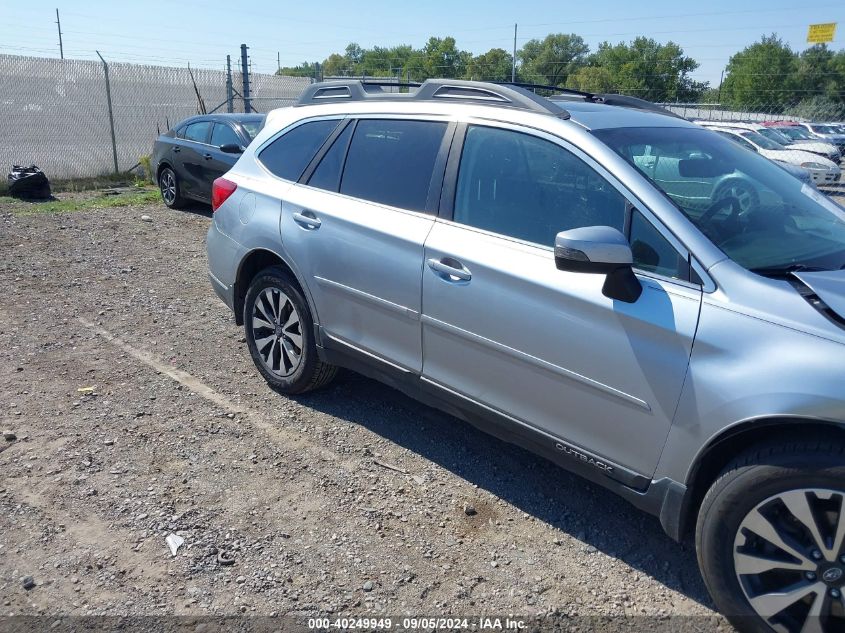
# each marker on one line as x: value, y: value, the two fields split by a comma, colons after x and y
x: 621, y: 291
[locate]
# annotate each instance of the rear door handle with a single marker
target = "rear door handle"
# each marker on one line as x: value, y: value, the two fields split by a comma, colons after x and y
x: 449, y: 269
x: 207, y: 156
x: 307, y: 220
x: 176, y: 149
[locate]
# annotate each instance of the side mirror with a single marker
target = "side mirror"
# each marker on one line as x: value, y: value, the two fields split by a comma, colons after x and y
x: 231, y: 148
x: 600, y: 250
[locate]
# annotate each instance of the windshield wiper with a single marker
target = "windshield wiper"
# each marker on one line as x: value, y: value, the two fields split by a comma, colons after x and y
x: 783, y: 271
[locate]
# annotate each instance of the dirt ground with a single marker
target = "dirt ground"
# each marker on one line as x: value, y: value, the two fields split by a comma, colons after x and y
x: 138, y: 413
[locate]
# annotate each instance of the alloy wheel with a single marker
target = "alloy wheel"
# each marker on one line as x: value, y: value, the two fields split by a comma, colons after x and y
x: 168, y: 186
x: 789, y: 559
x: 277, y: 332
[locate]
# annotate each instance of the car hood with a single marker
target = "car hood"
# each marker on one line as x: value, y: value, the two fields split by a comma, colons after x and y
x: 813, y: 146
x: 798, y: 156
x: 829, y: 286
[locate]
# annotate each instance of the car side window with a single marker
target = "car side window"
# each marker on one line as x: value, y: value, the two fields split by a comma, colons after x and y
x: 738, y: 140
x: 222, y: 134
x: 653, y: 252
x: 197, y: 131
x: 525, y: 187
x: 289, y: 155
x: 392, y: 161
x: 327, y: 174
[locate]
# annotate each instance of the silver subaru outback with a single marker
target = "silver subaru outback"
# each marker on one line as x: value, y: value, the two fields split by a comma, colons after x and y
x: 623, y: 292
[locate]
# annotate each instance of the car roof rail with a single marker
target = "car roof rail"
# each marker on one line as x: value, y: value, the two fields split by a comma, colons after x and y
x: 477, y: 92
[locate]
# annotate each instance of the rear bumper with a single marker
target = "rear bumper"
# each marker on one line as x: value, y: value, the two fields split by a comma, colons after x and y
x: 222, y: 251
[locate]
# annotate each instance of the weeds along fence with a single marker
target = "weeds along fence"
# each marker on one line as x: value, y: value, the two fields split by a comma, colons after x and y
x: 55, y: 113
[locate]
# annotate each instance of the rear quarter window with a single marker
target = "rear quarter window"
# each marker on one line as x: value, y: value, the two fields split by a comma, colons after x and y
x: 289, y: 155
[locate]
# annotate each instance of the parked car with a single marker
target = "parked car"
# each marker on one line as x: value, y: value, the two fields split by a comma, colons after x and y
x: 520, y: 264
x: 188, y: 158
x: 826, y: 132
x: 802, y: 139
x: 796, y: 136
x: 822, y: 170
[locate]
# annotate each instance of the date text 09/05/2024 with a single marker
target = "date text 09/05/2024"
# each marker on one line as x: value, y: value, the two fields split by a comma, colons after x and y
x: 411, y: 623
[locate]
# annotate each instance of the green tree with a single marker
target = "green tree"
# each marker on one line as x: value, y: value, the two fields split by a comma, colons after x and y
x: 337, y: 65
x: 494, y: 65
x: 305, y: 69
x: 646, y: 69
x: 592, y: 79
x: 553, y: 59
x: 762, y: 76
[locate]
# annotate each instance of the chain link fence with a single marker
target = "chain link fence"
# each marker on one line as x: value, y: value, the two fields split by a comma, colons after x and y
x: 55, y: 113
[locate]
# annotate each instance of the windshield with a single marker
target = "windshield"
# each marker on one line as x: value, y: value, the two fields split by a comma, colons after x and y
x: 761, y: 140
x: 823, y: 129
x: 795, y: 133
x: 774, y: 135
x: 744, y: 203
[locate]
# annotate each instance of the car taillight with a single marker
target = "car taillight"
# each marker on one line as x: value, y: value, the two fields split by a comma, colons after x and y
x: 221, y: 189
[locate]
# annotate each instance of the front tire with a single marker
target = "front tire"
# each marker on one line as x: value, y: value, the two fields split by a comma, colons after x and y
x: 771, y: 538
x: 280, y: 334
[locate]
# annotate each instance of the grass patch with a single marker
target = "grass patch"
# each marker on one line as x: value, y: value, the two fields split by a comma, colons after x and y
x: 60, y: 185
x: 140, y: 196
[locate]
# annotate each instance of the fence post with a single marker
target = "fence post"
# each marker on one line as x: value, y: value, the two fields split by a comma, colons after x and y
x: 230, y: 106
x: 111, y: 113
x: 245, y: 72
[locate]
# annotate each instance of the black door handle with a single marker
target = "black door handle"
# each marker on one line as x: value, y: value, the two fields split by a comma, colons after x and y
x: 177, y: 149
x: 207, y: 156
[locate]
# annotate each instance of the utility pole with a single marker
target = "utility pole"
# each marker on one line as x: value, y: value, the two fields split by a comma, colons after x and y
x: 230, y: 106
x: 278, y: 63
x: 59, y: 24
x: 245, y: 73
x: 513, y: 68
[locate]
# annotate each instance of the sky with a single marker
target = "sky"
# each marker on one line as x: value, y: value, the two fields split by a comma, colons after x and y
x: 202, y: 33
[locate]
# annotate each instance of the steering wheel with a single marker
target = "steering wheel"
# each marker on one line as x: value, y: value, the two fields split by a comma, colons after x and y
x: 730, y: 222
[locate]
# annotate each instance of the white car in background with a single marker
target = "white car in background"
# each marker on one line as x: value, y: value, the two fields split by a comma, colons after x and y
x: 822, y: 170
x: 800, y: 138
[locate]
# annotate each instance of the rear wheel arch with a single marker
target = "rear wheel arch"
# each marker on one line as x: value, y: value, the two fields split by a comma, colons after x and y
x: 256, y: 261
x: 161, y: 167
x: 721, y: 450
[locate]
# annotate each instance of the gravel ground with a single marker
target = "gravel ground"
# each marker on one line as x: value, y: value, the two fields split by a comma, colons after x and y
x: 136, y: 413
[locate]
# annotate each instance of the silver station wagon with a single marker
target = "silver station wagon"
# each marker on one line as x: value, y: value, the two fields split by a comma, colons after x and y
x: 621, y: 291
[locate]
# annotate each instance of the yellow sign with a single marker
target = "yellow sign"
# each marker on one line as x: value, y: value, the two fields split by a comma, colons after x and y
x: 821, y: 33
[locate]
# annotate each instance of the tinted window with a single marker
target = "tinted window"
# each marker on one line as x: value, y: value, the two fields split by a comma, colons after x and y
x: 197, y: 131
x: 391, y: 162
x: 737, y: 139
x: 222, y: 134
x: 327, y: 174
x: 289, y: 155
x: 652, y: 252
x: 528, y: 188
x: 252, y: 128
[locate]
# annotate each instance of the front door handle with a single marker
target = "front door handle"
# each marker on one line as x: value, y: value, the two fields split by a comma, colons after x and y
x: 176, y: 149
x: 449, y: 269
x: 307, y: 220
x: 207, y: 156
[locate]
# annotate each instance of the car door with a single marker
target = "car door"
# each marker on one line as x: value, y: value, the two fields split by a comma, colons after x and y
x: 191, y: 171
x: 356, y: 224
x: 217, y: 162
x: 504, y: 328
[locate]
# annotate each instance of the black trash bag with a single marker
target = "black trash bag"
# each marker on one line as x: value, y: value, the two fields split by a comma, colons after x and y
x: 28, y: 182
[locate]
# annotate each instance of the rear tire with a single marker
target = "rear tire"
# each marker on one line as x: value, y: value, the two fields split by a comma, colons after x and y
x: 170, y: 188
x: 280, y: 334
x: 793, y: 492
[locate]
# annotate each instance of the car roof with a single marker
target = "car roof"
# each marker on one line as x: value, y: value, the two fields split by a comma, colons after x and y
x: 234, y: 117
x: 597, y: 116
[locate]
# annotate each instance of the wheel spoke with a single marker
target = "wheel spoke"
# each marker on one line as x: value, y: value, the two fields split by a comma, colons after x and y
x: 259, y: 304
x: 761, y: 526
x: 813, y: 623
x: 769, y: 604
x: 258, y: 323
x: 799, y: 506
x: 295, y: 338
x: 291, y: 352
x: 750, y: 564
x: 261, y: 343
x: 293, y: 318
